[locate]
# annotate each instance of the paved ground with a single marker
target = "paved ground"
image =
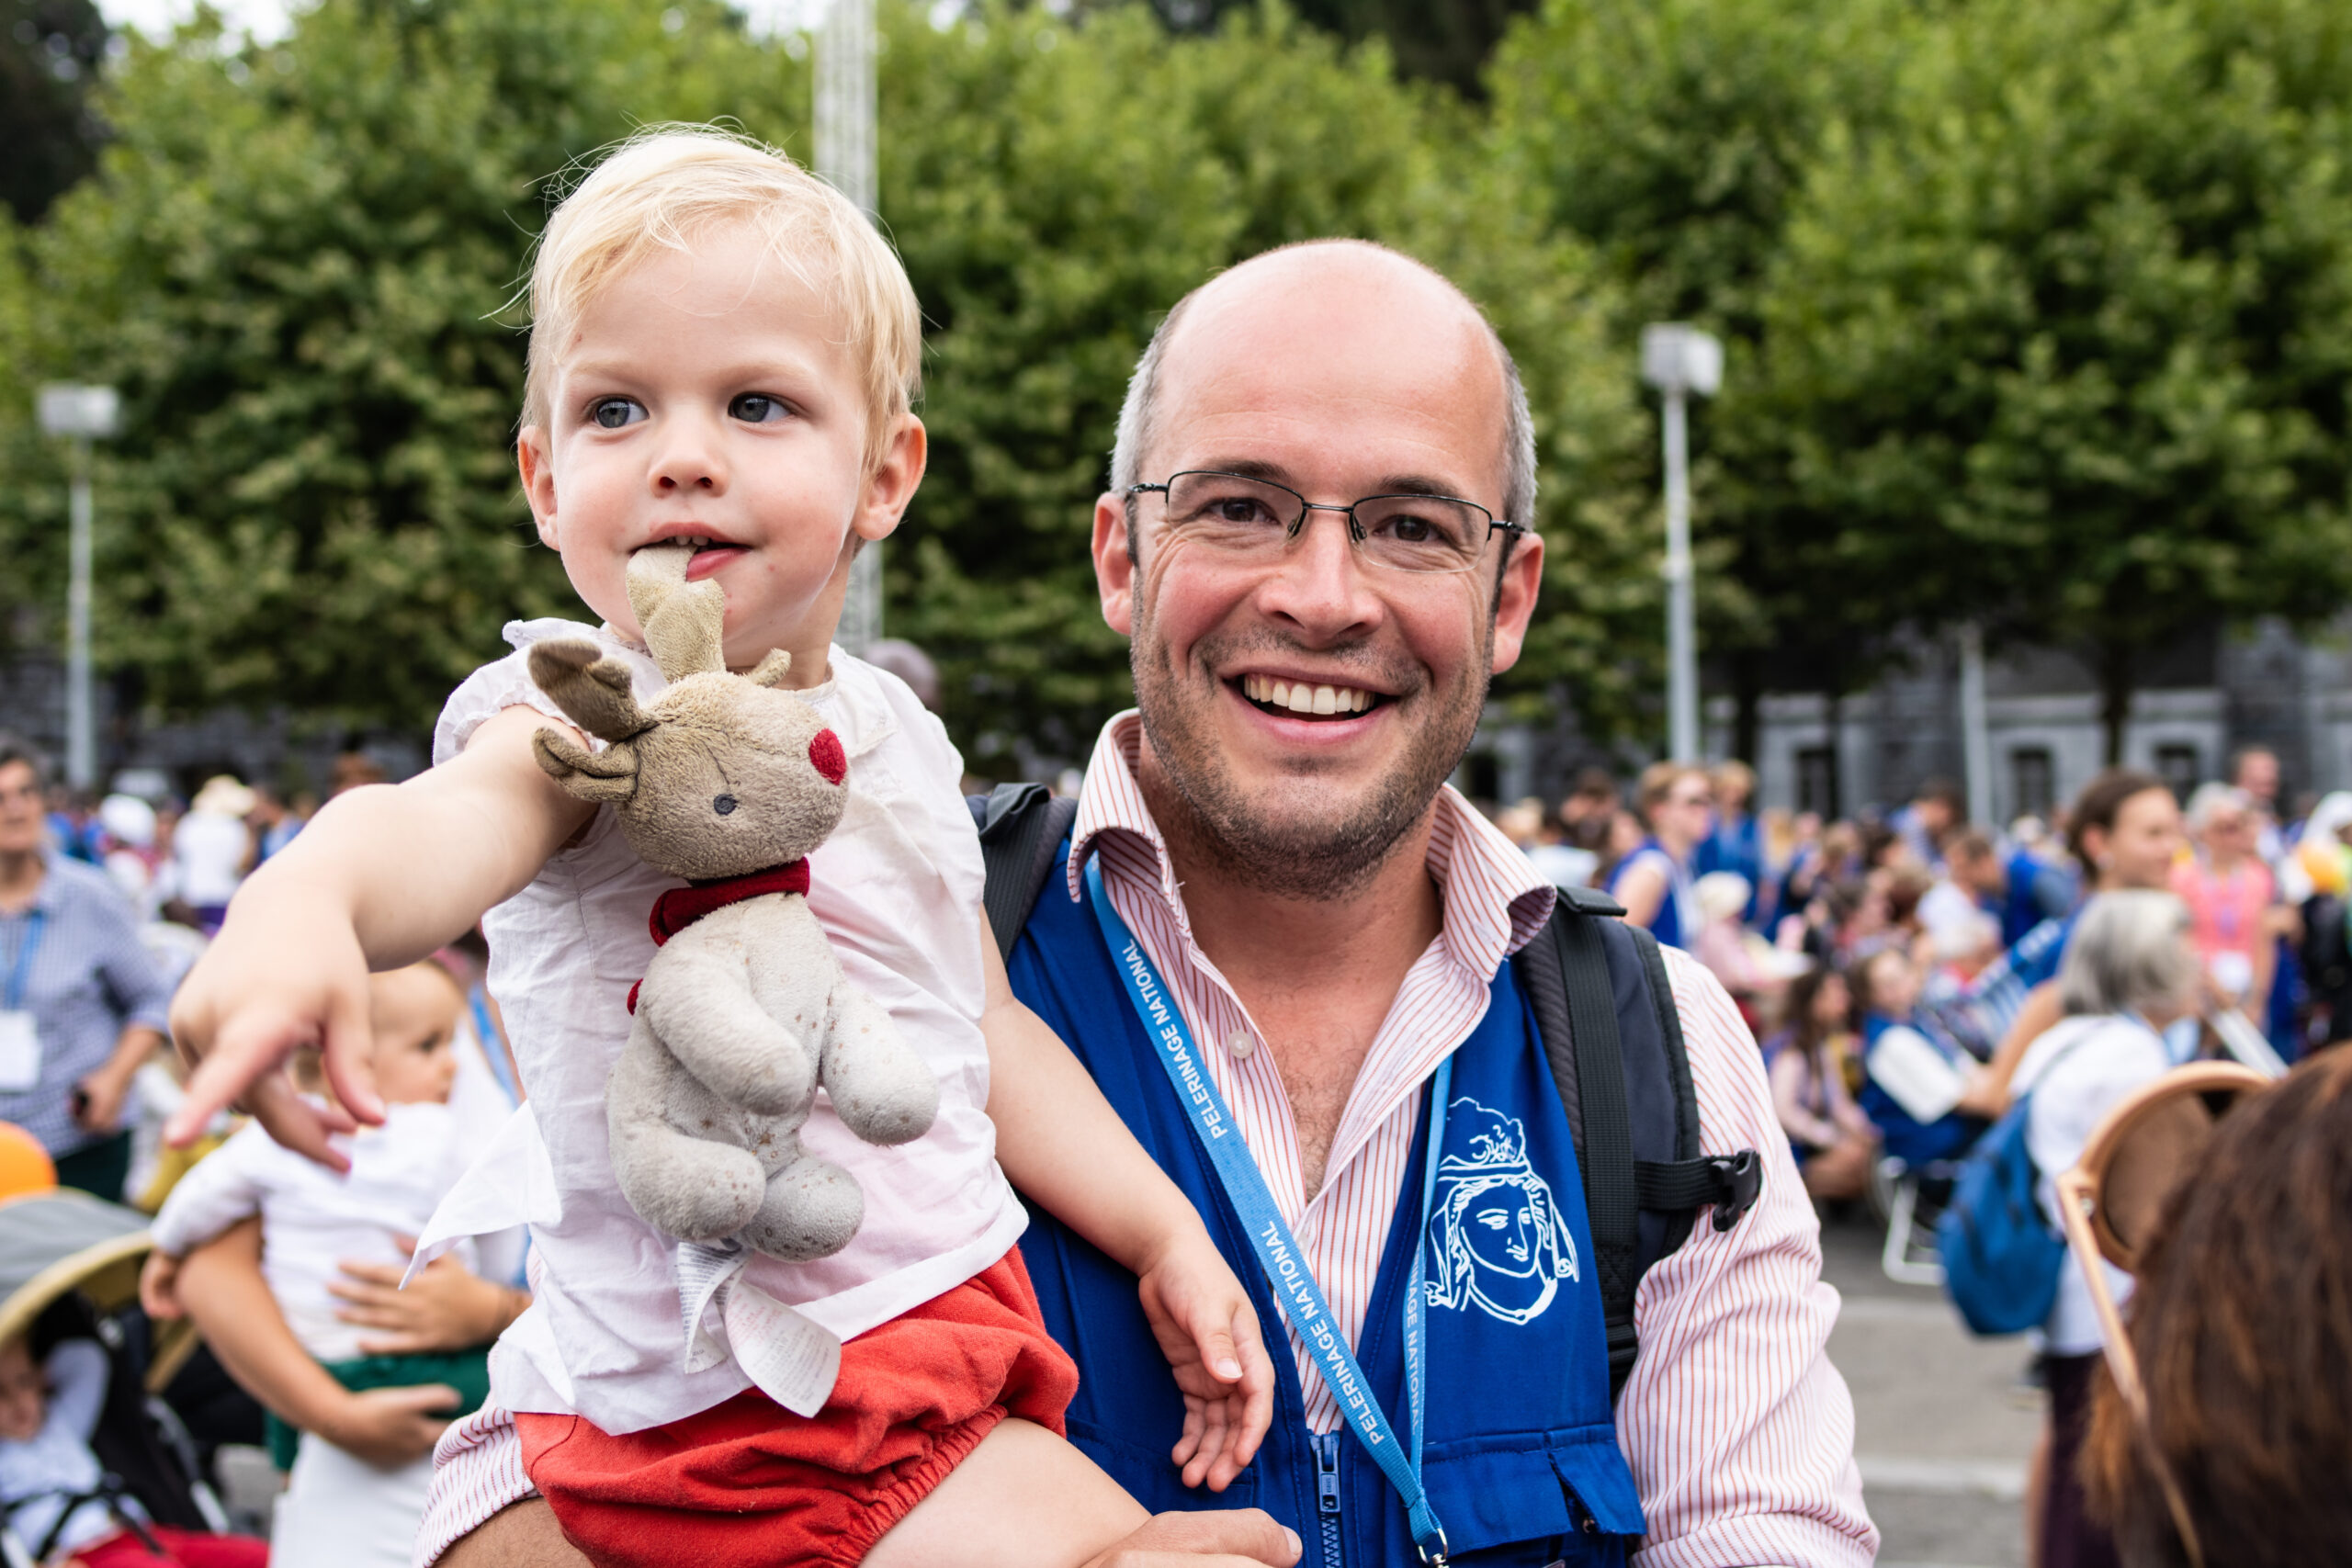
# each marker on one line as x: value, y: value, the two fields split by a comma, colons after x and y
x: 1943, y: 1432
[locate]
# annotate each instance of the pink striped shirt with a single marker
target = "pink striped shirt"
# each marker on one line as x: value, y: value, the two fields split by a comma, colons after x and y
x: 1739, y: 1432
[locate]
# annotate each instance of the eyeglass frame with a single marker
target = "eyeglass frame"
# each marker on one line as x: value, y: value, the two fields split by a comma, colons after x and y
x: 1356, y: 533
x: 2091, y: 1238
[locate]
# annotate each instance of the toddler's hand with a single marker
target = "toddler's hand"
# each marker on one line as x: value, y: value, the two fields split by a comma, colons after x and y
x: 281, y: 975
x: 1207, y: 1330
x: 159, y: 1287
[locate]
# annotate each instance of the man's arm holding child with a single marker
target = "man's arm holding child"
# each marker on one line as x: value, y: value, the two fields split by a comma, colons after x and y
x: 382, y: 876
x: 1062, y: 1144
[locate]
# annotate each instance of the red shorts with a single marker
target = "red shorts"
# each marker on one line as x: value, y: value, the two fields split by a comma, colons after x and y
x: 747, y: 1482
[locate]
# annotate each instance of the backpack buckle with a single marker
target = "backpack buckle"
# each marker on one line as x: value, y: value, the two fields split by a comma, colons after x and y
x: 1741, y: 1175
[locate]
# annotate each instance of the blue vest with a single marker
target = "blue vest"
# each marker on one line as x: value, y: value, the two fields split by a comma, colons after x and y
x: 1521, y: 1459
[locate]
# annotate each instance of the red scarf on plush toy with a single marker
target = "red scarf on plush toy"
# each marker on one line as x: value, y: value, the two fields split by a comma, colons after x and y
x: 681, y: 907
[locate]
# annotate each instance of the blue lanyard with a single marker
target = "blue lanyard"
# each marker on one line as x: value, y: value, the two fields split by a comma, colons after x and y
x: 21, y: 971
x: 1278, y: 1250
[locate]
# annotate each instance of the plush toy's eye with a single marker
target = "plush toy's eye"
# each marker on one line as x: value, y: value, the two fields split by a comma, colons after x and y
x: 723, y: 804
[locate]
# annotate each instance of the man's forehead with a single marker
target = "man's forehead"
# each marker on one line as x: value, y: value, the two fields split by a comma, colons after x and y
x: 1311, y: 343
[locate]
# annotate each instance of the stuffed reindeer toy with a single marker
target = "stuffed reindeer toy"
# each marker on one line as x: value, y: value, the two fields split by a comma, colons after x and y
x: 744, y: 1013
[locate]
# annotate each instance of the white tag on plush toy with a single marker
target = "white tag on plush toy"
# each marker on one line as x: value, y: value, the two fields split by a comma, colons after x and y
x: 793, y: 1358
x: 703, y: 1272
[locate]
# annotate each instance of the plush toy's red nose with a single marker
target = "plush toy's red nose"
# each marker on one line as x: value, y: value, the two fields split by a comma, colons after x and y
x: 825, y: 753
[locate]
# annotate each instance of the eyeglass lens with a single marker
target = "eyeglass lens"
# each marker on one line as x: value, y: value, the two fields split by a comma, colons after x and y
x: 1405, y: 533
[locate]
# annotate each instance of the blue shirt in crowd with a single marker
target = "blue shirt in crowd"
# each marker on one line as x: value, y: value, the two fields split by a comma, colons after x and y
x: 74, y: 960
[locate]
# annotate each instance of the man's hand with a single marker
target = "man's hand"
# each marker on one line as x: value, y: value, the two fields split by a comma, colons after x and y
x: 1207, y: 1330
x: 287, y: 972
x: 445, y: 1307
x: 391, y: 1426
x: 1235, y: 1537
x: 97, y: 1098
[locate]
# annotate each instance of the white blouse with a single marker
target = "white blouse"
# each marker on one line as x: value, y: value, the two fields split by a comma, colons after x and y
x: 898, y: 888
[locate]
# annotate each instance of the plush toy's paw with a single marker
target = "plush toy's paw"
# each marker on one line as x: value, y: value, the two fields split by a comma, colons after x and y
x: 881, y: 1089
x: 812, y: 1208
x: 686, y: 1187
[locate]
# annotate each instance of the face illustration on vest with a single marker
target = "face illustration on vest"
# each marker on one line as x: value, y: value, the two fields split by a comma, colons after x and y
x: 1495, y: 1240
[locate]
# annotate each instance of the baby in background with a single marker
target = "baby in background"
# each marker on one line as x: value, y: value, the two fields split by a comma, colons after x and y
x: 313, y: 1220
x: 56, y: 1504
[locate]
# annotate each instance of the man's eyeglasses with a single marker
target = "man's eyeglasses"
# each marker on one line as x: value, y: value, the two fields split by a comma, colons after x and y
x: 2110, y: 1203
x: 1236, y: 516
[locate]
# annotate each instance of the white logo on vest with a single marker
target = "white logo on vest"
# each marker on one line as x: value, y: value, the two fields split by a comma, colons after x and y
x: 1497, y: 1240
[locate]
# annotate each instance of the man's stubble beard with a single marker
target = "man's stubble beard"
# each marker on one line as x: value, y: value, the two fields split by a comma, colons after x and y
x: 1287, y: 841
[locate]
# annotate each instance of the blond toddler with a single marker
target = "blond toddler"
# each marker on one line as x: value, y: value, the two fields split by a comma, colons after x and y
x: 724, y: 351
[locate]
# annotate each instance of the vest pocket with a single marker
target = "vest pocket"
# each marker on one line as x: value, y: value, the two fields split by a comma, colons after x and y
x: 1536, y: 1491
x: 1149, y: 1477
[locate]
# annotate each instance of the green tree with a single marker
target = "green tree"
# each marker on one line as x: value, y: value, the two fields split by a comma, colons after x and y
x: 295, y: 264
x: 1673, y: 136
x: 2067, y: 343
x: 49, y: 53
x: 1055, y: 189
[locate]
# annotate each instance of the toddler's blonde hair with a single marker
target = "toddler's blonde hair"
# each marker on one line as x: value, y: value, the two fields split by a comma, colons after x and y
x: 668, y: 185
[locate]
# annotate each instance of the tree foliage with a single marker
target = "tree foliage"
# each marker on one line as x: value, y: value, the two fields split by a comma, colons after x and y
x: 50, y: 52
x: 1079, y: 183
x: 297, y: 262
x: 2068, y: 339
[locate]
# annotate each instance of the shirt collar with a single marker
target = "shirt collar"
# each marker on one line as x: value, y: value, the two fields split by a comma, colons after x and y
x: 1495, y: 901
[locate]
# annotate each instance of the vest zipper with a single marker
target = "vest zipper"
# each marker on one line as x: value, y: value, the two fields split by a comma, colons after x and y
x: 1326, y: 1494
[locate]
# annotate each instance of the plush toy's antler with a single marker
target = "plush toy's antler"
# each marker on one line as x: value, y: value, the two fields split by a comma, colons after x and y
x: 683, y: 622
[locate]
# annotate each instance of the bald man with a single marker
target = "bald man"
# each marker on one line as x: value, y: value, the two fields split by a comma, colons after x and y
x: 1318, y: 540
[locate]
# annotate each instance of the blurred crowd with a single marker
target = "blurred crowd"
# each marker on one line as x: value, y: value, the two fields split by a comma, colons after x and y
x: 293, y: 1273
x: 1930, y: 991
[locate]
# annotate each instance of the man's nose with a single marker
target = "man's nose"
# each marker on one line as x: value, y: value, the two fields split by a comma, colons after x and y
x: 1320, y: 584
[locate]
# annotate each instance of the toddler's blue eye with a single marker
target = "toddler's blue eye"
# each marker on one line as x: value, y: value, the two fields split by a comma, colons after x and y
x: 757, y: 407
x: 612, y: 413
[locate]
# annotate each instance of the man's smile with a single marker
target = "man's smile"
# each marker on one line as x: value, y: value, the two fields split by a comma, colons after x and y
x: 1306, y: 699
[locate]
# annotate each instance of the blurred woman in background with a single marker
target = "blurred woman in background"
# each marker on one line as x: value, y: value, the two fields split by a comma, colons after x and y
x: 2130, y: 972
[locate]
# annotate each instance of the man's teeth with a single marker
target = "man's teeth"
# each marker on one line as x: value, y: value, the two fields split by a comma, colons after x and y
x: 1300, y: 697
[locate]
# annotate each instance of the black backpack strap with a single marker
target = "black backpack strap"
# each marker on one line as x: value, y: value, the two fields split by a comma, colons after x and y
x: 1635, y: 1122
x: 1021, y: 827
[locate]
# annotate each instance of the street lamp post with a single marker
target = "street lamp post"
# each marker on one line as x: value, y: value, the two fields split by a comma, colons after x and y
x: 1679, y: 360
x: 845, y: 105
x: 79, y: 414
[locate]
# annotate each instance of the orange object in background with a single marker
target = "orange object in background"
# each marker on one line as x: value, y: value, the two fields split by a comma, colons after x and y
x: 25, y: 1166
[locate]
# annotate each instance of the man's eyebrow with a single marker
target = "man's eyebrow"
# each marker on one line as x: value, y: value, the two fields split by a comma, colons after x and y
x: 1389, y: 484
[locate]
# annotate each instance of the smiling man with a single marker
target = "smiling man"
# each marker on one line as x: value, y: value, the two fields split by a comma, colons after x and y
x: 1316, y: 539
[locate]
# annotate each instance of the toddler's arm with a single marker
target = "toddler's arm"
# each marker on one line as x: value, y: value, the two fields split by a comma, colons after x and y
x: 382, y: 876
x: 1062, y: 1144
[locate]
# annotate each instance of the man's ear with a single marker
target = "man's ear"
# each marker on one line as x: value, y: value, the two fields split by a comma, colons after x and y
x: 771, y: 669
x: 602, y: 778
x: 1514, y: 604
x: 1114, y: 563
x: 594, y: 690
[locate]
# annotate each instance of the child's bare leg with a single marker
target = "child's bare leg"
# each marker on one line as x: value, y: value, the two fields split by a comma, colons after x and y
x: 1024, y: 1498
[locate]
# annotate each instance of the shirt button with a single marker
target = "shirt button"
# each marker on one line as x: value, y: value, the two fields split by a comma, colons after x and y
x: 1239, y: 1043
